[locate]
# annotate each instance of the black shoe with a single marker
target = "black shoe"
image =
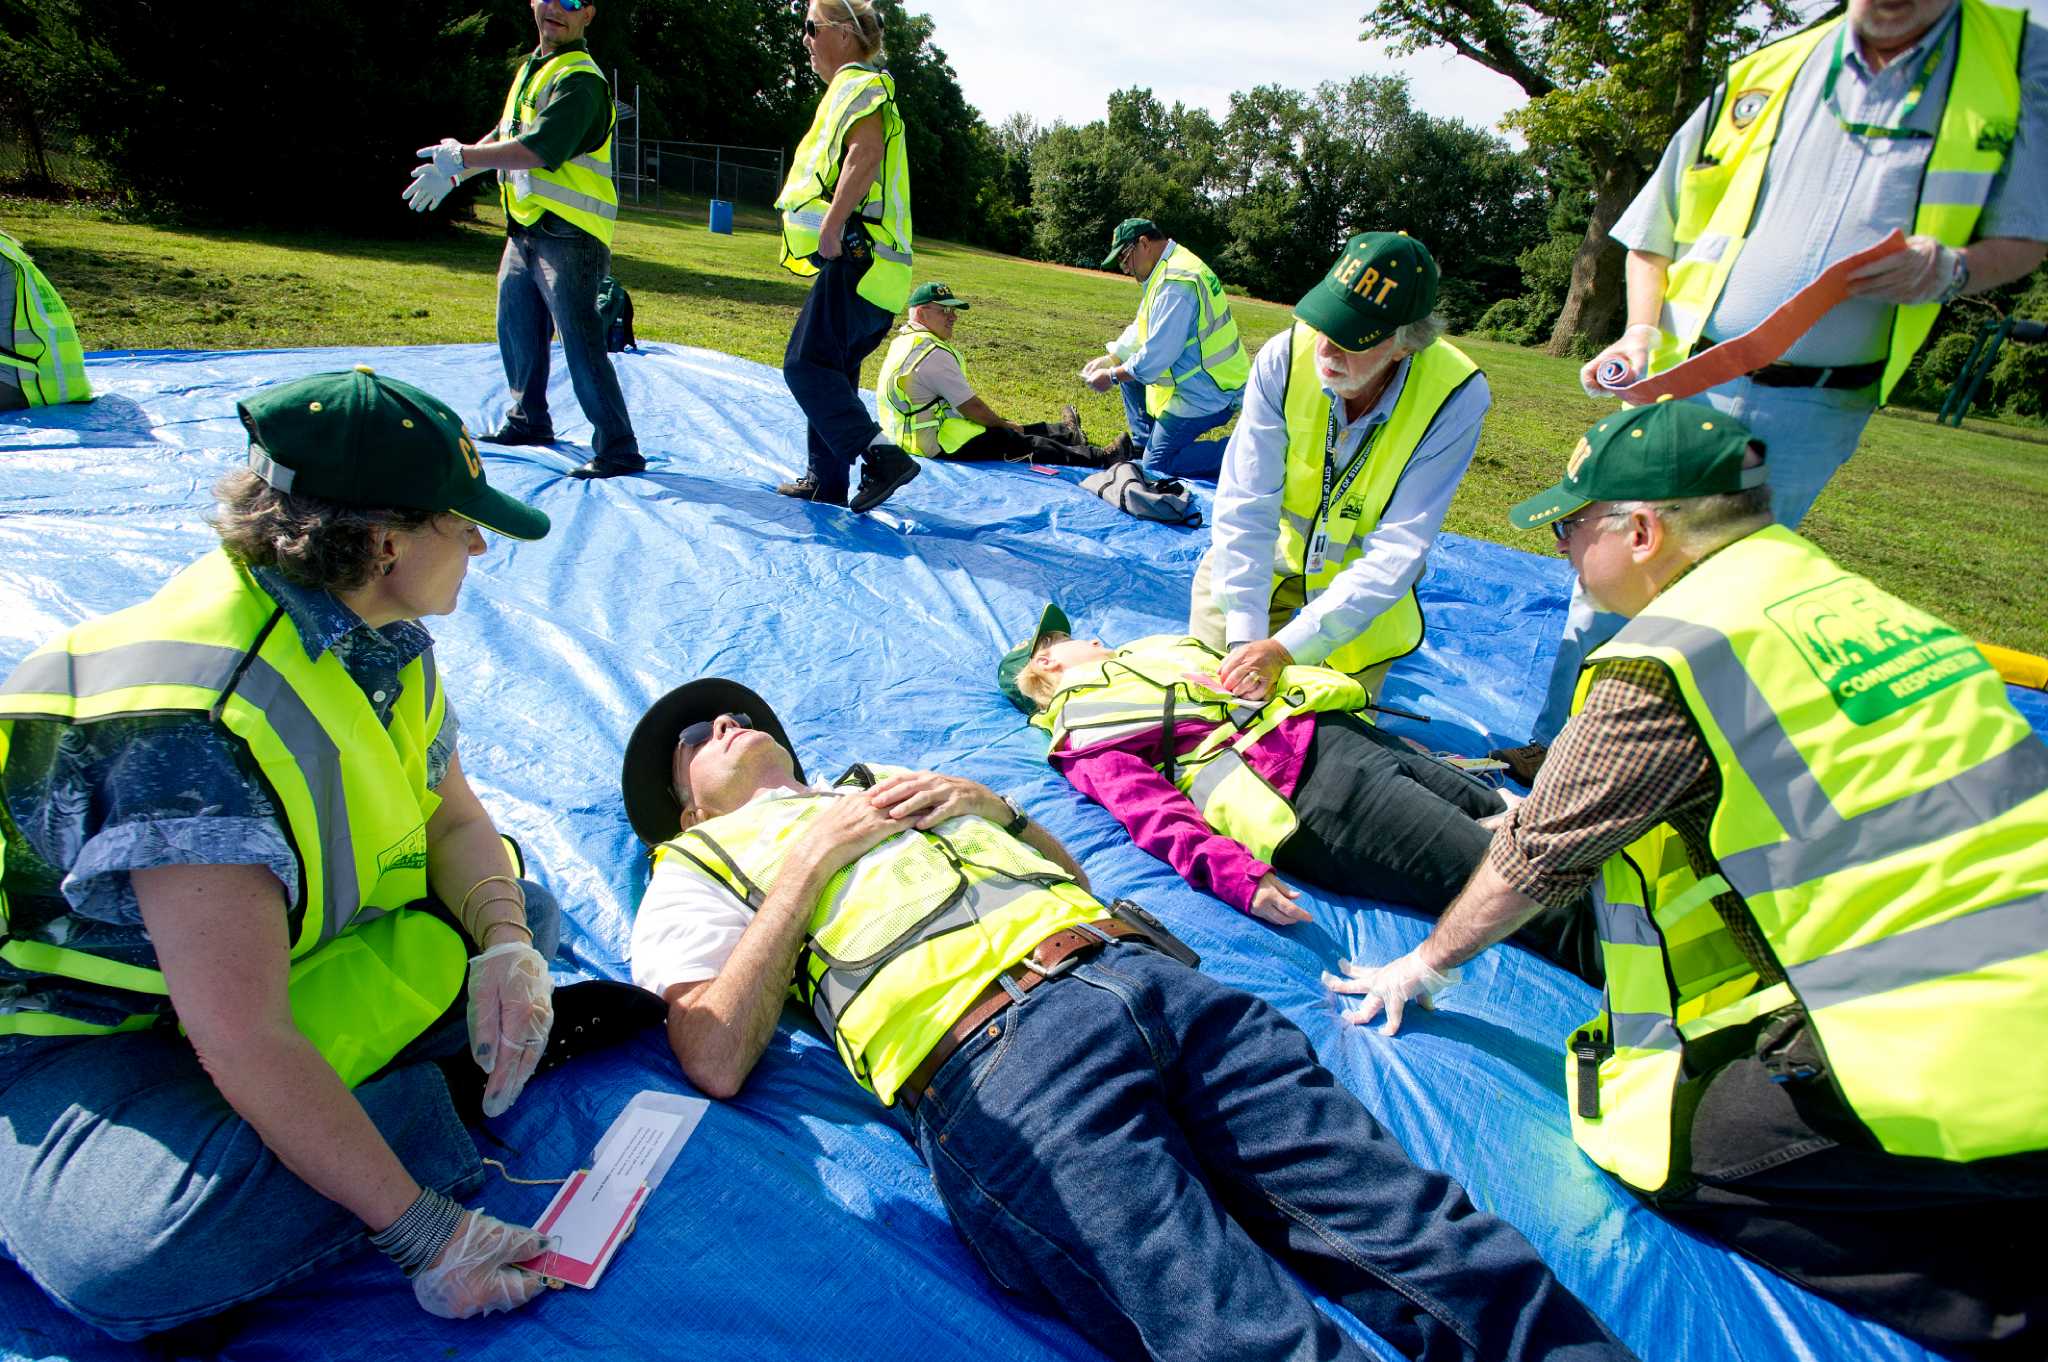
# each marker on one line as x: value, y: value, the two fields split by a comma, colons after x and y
x: 595, y: 1015
x: 1123, y: 449
x: 884, y: 469
x: 1070, y: 417
x: 1524, y: 761
x: 806, y: 489
x: 607, y: 468
x: 519, y: 435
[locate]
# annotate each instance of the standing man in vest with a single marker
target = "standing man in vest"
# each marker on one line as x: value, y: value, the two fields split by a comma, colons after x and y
x: 1929, y: 116
x: 930, y: 409
x: 1359, y: 423
x: 846, y: 225
x: 553, y: 153
x: 1814, y: 825
x: 1108, y: 1127
x: 1179, y: 364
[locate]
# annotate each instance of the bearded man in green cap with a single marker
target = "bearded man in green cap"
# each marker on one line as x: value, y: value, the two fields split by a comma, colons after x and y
x: 1812, y: 824
x: 1359, y: 423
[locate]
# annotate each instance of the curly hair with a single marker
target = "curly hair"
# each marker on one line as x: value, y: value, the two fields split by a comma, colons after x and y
x: 314, y: 542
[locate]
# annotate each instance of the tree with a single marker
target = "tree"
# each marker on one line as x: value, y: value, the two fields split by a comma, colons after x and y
x: 43, y: 58
x: 1612, y: 81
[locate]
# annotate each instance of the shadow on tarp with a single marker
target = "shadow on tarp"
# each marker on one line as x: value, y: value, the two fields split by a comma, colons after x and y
x: 798, y: 1222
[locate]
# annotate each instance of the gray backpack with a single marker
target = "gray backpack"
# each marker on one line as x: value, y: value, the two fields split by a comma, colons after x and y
x: 1126, y: 487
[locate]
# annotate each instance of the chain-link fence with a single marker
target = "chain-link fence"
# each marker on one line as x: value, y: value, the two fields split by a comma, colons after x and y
x: 704, y: 170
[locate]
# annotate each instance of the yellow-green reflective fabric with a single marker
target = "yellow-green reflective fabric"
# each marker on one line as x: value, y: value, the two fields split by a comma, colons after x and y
x: 1883, y: 817
x: 351, y: 792
x: 1213, y: 346
x: 856, y: 92
x: 1717, y: 196
x: 1159, y: 683
x: 580, y: 190
x: 905, y: 424
x: 1434, y: 374
x: 40, y: 356
x: 902, y: 941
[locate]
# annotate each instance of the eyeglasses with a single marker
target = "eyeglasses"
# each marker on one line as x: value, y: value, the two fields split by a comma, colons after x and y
x: 699, y: 733
x: 1563, y: 528
x: 852, y: 21
x: 570, y: 6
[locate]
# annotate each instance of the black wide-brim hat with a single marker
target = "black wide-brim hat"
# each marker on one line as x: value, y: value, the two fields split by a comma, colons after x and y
x: 647, y: 780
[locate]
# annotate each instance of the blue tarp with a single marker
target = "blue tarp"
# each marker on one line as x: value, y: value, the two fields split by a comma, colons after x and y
x: 798, y: 1222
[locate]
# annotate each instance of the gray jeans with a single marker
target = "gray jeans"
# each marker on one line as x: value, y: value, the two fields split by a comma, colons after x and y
x: 548, y: 282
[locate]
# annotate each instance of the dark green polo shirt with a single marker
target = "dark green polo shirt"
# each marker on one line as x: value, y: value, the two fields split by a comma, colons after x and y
x: 575, y: 120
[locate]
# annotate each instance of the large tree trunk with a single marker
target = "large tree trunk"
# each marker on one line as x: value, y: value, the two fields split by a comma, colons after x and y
x: 36, y: 170
x: 1597, y: 300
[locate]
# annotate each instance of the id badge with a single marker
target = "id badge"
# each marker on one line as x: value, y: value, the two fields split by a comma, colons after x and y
x: 1316, y: 549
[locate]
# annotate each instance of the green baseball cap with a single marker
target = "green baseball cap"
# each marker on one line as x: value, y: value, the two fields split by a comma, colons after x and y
x: 1381, y: 282
x: 1128, y: 231
x: 940, y: 294
x: 364, y: 440
x: 1663, y: 450
x: 1052, y: 620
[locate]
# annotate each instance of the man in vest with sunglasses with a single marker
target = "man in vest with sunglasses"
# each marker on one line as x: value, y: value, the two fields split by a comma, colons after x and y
x: 1359, y: 423
x: 1926, y: 116
x: 1813, y: 825
x: 552, y: 150
x: 1108, y: 1127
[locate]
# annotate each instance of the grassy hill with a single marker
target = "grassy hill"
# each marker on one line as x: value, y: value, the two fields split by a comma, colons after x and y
x: 1954, y: 520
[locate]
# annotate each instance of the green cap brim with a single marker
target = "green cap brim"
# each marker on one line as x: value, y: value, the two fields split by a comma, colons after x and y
x: 500, y: 514
x: 1051, y: 620
x: 1329, y: 314
x: 1115, y: 252
x: 1552, y: 503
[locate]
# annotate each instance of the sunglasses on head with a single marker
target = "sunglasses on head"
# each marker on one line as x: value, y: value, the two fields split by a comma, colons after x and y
x: 699, y: 733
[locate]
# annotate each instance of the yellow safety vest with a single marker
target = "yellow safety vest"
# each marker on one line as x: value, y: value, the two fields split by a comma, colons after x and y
x: 1213, y: 345
x: 580, y: 190
x: 904, y: 940
x: 1358, y: 495
x: 39, y: 353
x: 1156, y: 684
x: 905, y: 424
x: 368, y: 975
x: 1883, y: 818
x: 856, y: 91
x: 1717, y: 196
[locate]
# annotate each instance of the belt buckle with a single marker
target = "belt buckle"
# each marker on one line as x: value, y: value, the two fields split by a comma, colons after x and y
x: 1063, y: 965
x: 1826, y: 373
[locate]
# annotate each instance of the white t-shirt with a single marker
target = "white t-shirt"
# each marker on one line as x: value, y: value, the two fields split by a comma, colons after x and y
x: 688, y: 927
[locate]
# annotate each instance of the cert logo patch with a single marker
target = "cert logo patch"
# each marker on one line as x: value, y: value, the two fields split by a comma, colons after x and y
x: 407, y: 853
x: 1746, y: 106
x: 1873, y: 652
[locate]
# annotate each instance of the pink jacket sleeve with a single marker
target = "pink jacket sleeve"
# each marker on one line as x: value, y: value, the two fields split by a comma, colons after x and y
x: 1165, y: 823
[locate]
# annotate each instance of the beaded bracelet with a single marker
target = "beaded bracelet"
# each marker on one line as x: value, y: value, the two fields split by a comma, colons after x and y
x: 416, y: 1238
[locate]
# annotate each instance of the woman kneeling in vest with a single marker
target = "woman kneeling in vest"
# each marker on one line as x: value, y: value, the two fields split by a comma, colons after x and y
x: 243, y: 880
x: 1298, y: 784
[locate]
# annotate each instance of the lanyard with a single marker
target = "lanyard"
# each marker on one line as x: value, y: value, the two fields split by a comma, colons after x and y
x: 1927, y: 69
x: 1334, y: 490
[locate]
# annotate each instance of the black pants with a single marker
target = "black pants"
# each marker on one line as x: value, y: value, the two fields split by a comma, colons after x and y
x: 835, y: 330
x: 1943, y: 1252
x: 1380, y: 819
x: 1043, y: 442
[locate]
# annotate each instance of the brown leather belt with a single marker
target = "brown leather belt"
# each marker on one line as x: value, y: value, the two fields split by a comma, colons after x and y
x: 1049, y: 959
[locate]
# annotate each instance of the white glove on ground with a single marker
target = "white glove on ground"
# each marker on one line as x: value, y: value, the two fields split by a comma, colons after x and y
x: 1391, y: 986
x: 511, y: 1008
x: 474, y: 1274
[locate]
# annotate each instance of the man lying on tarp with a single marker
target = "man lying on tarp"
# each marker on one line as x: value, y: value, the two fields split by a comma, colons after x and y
x: 1065, y: 1069
x: 1297, y: 783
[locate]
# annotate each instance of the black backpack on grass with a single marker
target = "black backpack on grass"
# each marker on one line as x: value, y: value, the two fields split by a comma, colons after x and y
x: 615, y: 310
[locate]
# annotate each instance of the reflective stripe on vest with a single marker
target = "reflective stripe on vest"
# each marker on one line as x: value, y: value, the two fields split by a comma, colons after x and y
x: 580, y: 190
x: 1212, y: 346
x: 351, y: 797
x: 905, y: 938
x: 1882, y: 815
x: 1717, y: 196
x: 40, y: 350
x: 857, y: 91
x: 1434, y: 375
x: 906, y: 424
x: 1148, y: 687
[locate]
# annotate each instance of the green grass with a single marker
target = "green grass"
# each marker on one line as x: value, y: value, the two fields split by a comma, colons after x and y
x: 1954, y: 520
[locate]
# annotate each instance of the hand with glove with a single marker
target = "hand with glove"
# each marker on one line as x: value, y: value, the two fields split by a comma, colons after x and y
x: 442, y: 171
x: 511, y: 1008
x: 1632, y: 350
x: 1922, y: 273
x: 476, y: 1272
x: 1391, y: 986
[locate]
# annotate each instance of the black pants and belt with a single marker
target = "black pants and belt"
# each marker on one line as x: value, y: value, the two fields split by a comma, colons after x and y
x: 1045, y: 442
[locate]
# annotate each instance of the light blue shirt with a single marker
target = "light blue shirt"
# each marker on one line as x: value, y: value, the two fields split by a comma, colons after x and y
x: 1175, y: 314
x: 1828, y: 193
x: 1247, y: 510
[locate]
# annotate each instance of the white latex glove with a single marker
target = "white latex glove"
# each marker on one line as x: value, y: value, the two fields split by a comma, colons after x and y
x: 446, y: 155
x: 1633, y: 349
x: 1918, y: 274
x: 1390, y: 986
x: 429, y: 186
x: 475, y: 1274
x: 511, y: 1008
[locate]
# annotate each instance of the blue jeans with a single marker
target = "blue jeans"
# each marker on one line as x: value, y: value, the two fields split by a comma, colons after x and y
x: 547, y: 283
x: 1807, y: 434
x: 835, y: 330
x: 1154, y: 1155
x: 1169, y: 440
x: 135, y: 1196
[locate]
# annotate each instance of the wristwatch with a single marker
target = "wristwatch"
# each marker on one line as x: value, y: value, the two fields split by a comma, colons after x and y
x: 1019, y: 820
x: 1958, y: 278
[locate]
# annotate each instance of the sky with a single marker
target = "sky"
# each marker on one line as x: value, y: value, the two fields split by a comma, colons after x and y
x: 1058, y: 59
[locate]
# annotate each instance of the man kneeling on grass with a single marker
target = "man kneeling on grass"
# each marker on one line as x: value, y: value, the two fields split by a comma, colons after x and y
x: 952, y: 950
